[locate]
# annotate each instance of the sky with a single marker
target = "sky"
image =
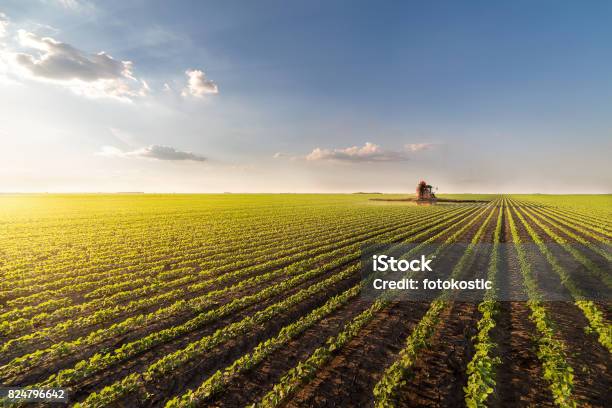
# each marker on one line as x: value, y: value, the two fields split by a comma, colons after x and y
x: 305, y: 96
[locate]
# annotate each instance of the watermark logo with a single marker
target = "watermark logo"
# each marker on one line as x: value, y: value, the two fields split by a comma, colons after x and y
x: 384, y: 263
x: 472, y: 272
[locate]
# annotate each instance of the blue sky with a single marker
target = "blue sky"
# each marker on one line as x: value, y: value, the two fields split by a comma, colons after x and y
x: 305, y: 96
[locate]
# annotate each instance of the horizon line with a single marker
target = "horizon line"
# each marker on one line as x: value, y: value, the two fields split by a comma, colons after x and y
x: 276, y: 193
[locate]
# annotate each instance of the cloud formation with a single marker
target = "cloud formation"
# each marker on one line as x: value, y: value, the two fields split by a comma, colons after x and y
x: 26, y: 55
x: 198, y: 85
x: 369, y: 152
x: 64, y: 62
x: 94, y: 75
x: 156, y: 152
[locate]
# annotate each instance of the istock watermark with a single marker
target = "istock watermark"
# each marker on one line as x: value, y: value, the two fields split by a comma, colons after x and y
x: 383, y: 263
x: 468, y: 272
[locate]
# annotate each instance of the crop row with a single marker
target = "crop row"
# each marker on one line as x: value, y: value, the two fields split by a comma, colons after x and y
x: 85, y: 368
x: 216, y: 382
x: 261, y: 228
x: 588, y: 263
x: 594, y: 316
x: 577, y: 234
x: 157, y: 287
x: 193, y: 304
x: 481, y: 369
x: 395, y: 375
x: 174, y: 361
x: 69, y: 283
x: 142, y: 260
x: 171, y: 362
x: 551, y: 351
x: 575, y: 225
x: 267, y: 237
x: 600, y: 225
x: 306, y: 369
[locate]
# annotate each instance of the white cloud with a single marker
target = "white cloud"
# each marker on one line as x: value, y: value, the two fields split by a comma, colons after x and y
x: 198, y: 85
x: 156, y: 152
x: 367, y: 153
x: 30, y: 56
x: 60, y: 61
x: 417, y: 147
x: 92, y: 75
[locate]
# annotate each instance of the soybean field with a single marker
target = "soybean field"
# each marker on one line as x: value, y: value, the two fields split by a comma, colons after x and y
x: 232, y: 300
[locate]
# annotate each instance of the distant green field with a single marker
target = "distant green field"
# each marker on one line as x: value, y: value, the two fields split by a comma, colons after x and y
x: 588, y: 202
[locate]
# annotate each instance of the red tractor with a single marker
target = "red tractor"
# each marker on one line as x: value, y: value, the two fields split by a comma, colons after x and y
x: 424, y: 192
